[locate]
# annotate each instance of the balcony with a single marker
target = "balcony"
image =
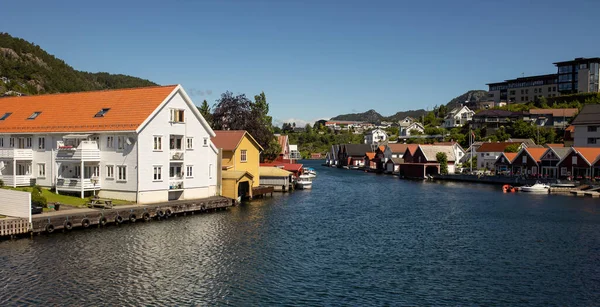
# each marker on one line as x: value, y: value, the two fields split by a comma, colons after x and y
x: 175, y: 185
x: 177, y: 155
x: 16, y: 181
x: 86, y: 151
x: 75, y: 184
x: 17, y: 153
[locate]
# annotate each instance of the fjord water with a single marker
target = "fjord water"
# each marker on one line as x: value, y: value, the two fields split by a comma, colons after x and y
x: 356, y: 239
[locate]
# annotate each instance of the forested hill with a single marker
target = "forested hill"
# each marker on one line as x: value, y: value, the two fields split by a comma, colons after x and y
x: 373, y: 117
x: 26, y: 68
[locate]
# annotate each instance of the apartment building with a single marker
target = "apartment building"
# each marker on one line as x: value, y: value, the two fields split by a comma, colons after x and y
x: 525, y: 89
x: 578, y: 76
x: 145, y: 144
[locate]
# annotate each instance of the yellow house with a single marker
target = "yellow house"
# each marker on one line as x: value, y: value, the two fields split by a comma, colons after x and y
x: 240, y: 162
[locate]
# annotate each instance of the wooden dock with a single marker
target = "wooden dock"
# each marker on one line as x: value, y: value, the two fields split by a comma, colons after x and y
x: 87, y: 217
x: 262, y: 190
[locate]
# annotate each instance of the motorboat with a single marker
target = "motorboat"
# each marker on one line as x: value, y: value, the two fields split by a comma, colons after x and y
x: 310, y: 171
x: 537, y: 187
x: 304, y: 182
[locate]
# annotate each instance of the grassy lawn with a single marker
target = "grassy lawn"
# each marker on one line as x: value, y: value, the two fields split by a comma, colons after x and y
x: 65, y: 199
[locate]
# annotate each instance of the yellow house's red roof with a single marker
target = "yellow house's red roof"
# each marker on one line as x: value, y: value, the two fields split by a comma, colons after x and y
x: 75, y: 112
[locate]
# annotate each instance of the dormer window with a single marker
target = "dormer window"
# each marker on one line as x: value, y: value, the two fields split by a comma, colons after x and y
x: 5, y: 116
x: 102, y: 112
x: 34, y: 115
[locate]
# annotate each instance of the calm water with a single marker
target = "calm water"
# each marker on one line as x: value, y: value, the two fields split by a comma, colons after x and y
x: 356, y: 239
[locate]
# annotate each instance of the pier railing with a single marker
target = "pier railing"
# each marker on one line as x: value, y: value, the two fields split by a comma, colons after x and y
x: 14, y: 226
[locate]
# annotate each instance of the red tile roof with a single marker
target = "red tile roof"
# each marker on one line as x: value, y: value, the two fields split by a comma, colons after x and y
x: 75, y: 112
x: 230, y: 139
x: 556, y: 112
x: 412, y: 148
x: 495, y: 147
x: 370, y: 155
x: 510, y: 155
x: 591, y: 154
x: 397, y: 147
x: 290, y: 167
x: 536, y: 153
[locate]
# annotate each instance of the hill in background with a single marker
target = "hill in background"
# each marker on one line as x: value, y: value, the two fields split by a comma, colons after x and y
x: 373, y: 117
x: 27, y: 68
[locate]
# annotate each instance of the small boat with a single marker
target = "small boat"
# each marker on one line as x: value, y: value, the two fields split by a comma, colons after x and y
x: 537, y: 187
x: 304, y: 182
x: 309, y: 171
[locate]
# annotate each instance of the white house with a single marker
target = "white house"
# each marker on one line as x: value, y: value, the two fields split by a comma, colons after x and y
x: 458, y: 117
x: 587, y: 127
x: 375, y: 136
x: 145, y: 144
x: 415, y: 126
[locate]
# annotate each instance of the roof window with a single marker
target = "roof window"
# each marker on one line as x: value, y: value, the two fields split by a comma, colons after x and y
x: 5, y: 116
x: 102, y: 112
x: 34, y: 115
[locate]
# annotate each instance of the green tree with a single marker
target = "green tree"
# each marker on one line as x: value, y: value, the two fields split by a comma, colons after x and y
x: 442, y: 159
x: 512, y: 148
x: 205, y: 111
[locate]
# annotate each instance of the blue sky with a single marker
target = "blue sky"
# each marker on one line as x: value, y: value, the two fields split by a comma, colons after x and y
x: 313, y: 59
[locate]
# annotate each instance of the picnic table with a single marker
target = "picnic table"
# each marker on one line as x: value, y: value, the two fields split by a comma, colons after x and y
x: 100, y: 202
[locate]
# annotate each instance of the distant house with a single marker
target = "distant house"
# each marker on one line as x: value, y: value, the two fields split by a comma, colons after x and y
x: 424, y: 161
x: 408, y: 130
x: 396, y: 150
x: 504, y: 162
x: 580, y: 163
x: 316, y: 155
x: 458, y: 117
x: 550, y: 159
x: 569, y: 136
x: 331, y: 158
x: 472, y: 149
x: 496, y: 118
x: 528, y: 161
x: 240, y: 162
x: 556, y: 118
x: 587, y: 127
x: 392, y: 166
x: 375, y: 136
x: 410, y: 152
x: 275, y: 177
x: 352, y: 155
x: 375, y: 160
x: 488, y: 153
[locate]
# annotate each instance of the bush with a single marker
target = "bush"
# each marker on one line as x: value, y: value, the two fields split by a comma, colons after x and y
x: 38, y: 188
x: 37, y: 199
x: 1, y: 183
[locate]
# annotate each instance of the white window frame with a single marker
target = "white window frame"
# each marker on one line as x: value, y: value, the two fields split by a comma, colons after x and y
x: 189, y: 171
x: 177, y: 116
x: 121, y: 173
x: 110, y: 171
x: 28, y: 142
x: 157, y: 145
x: 42, y: 143
x: 189, y: 143
x: 110, y: 141
x: 157, y: 173
x: 41, y: 170
x: 524, y: 159
x: 1, y: 142
x: 574, y: 160
x: 11, y: 142
x: 120, y: 142
x: 243, y: 155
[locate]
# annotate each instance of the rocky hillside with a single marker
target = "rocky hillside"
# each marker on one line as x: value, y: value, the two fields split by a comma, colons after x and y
x: 373, y: 117
x: 27, y: 69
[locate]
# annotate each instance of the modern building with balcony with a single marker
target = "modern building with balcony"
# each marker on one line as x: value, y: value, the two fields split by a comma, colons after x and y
x: 578, y: 76
x: 111, y: 143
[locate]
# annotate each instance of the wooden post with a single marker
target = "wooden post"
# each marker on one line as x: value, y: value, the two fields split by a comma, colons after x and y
x: 81, y: 177
x: 14, y: 171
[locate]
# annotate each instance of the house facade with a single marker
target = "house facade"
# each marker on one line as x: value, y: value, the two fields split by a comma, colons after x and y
x: 488, y: 153
x: 375, y: 136
x: 587, y: 127
x: 493, y: 119
x: 580, y: 163
x: 554, y: 118
x: 411, y: 128
x: 240, y: 161
x: 503, y: 164
x: 145, y: 144
x: 458, y: 117
x: 353, y: 155
x: 528, y: 161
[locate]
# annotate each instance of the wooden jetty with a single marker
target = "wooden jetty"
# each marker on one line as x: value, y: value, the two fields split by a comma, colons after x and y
x: 87, y: 217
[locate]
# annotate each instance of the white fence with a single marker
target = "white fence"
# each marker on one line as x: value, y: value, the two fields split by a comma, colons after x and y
x: 15, y: 203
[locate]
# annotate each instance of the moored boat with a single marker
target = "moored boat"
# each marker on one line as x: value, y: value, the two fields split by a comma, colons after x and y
x: 304, y: 182
x: 309, y: 171
x: 537, y: 187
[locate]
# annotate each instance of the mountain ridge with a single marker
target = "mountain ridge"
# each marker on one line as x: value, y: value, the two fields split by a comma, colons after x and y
x: 468, y: 98
x: 26, y: 68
